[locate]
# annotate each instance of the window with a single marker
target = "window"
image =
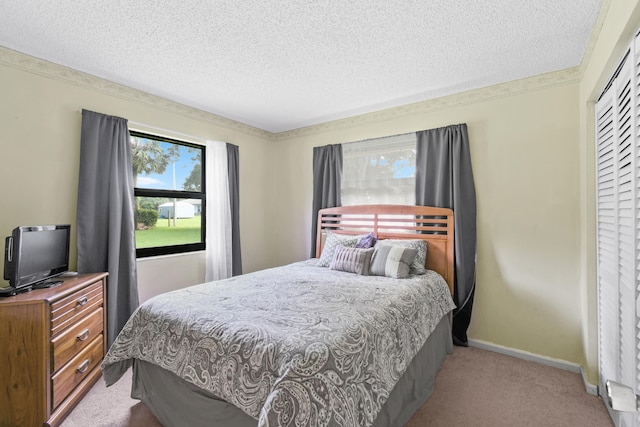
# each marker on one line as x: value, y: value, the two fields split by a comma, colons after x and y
x: 379, y: 171
x: 168, y: 180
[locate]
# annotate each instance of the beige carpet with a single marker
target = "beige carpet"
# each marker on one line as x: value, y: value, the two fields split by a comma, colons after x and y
x: 474, y: 388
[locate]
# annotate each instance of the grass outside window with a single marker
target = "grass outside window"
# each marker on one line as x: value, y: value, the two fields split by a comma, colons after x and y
x: 187, y: 230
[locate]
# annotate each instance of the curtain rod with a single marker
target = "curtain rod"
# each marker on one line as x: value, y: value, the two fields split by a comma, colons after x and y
x: 169, y: 133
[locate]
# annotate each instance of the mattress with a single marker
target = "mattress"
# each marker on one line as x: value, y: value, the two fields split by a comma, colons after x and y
x: 293, y: 345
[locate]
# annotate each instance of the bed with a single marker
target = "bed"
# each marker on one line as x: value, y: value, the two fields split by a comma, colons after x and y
x: 307, y: 344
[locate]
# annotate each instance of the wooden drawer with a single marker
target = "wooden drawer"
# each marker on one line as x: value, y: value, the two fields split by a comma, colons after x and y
x: 76, y: 370
x: 77, y: 337
x: 67, y: 311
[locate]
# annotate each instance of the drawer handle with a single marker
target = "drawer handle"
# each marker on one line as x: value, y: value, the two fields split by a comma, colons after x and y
x: 83, y: 335
x: 83, y: 367
x: 82, y: 301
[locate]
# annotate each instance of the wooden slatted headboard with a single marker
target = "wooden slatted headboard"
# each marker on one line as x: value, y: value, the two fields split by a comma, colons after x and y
x: 434, y: 225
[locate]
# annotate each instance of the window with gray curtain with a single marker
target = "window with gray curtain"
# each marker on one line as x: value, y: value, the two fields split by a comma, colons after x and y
x: 106, y: 206
x: 441, y: 161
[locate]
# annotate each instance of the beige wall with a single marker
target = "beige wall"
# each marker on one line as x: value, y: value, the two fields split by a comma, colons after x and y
x: 40, y: 138
x: 523, y: 149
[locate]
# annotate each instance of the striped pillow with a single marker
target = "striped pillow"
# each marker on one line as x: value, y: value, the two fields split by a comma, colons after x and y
x: 392, y: 261
x: 352, y: 260
x: 418, y: 265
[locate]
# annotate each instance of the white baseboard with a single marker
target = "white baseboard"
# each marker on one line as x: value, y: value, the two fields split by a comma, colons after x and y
x: 531, y: 357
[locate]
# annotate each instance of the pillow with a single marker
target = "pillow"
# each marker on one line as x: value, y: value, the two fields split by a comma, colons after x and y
x: 367, y: 241
x: 329, y: 248
x: 352, y: 260
x: 417, y: 267
x: 392, y: 261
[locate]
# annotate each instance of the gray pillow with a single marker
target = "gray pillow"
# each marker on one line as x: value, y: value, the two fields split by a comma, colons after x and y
x: 417, y: 267
x: 392, y: 261
x: 352, y: 260
x: 329, y: 248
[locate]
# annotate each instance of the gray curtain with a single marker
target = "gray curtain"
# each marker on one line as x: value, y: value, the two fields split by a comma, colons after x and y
x: 444, y: 178
x: 233, y: 162
x: 105, y: 231
x: 327, y: 184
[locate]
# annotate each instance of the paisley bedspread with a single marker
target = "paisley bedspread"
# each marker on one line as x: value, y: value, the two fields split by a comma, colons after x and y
x: 297, y: 345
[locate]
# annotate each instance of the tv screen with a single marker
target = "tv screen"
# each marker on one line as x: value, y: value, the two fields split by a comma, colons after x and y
x: 34, y: 254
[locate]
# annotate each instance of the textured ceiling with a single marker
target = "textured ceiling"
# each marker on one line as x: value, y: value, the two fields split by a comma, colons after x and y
x: 280, y: 65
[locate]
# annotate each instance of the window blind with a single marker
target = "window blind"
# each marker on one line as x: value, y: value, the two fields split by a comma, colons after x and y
x: 380, y: 170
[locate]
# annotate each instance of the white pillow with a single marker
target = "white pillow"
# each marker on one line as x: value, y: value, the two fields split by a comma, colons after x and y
x: 332, y: 242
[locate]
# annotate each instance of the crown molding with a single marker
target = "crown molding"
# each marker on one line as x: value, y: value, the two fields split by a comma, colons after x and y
x: 542, y: 81
x: 48, y: 69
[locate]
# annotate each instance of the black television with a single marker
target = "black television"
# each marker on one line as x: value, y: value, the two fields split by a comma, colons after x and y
x: 33, y: 255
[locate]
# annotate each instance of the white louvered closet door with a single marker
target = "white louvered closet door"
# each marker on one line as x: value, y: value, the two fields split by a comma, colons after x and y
x: 618, y: 236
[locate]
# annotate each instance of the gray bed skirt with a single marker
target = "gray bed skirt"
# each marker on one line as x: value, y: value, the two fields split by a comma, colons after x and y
x: 177, y: 403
